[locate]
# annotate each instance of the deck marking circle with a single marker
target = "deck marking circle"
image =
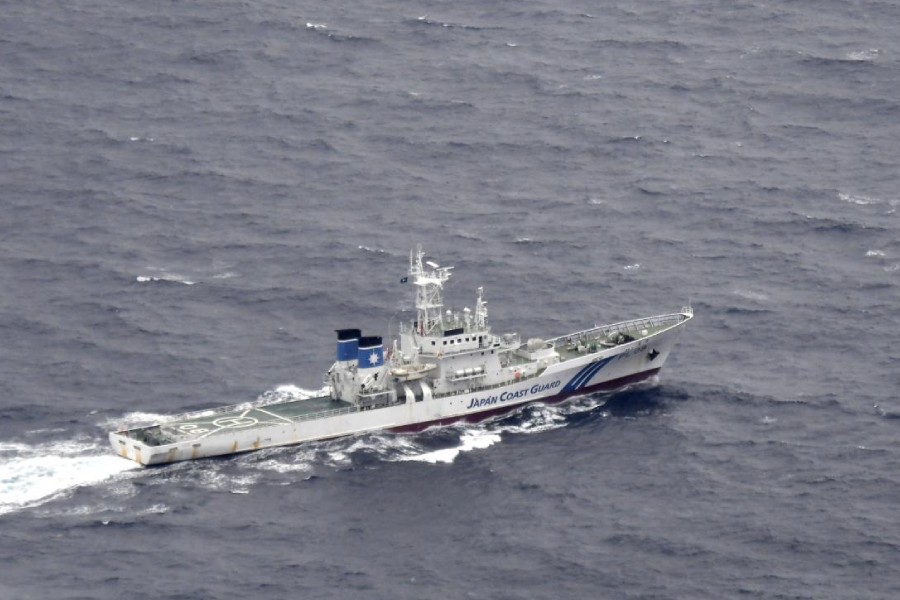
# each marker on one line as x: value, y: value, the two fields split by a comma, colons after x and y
x: 192, y: 429
x: 230, y: 422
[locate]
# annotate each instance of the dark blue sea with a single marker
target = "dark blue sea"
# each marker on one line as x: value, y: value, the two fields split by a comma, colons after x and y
x: 195, y: 195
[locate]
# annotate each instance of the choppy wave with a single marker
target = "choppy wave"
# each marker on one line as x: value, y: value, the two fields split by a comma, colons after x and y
x: 250, y: 187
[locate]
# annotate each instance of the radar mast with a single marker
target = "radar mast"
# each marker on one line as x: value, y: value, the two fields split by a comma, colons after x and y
x: 429, y: 279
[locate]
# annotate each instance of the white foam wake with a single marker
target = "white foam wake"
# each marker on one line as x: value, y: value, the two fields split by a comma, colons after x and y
x: 535, y: 418
x: 32, y: 475
x: 472, y: 439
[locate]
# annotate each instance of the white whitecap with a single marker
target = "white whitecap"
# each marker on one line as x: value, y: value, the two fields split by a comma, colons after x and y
x: 475, y: 439
x: 278, y: 466
x: 156, y: 509
x: 172, y: 277
x: 133, y: 419
x: 540, y: 417
x: 863, y: 55
x: 288, y: 393
x: 751, y: 295
x: 179, y: 279
x: 858, y: 199
x: 13, y: 447
x: 49, y: 429
x: 632, y: 267
x: 877, y: 253
x: 302, y: 392
x: 242, y: 483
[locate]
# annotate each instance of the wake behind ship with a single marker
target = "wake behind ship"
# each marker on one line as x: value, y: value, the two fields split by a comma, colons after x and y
x: 444, y: 367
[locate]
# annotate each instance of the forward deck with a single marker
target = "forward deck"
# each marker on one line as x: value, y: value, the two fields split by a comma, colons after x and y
x: 610, y: 336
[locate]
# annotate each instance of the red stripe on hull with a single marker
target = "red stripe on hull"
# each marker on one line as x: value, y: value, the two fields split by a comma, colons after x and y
x: 483, y: 415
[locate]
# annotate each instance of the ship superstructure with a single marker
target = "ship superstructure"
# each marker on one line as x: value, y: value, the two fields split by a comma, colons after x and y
x: 443, y: 367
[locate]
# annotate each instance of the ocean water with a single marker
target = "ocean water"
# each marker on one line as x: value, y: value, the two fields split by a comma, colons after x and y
x: 194, y: 195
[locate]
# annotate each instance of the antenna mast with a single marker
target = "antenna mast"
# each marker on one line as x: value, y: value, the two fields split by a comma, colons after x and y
x: 429, y: 286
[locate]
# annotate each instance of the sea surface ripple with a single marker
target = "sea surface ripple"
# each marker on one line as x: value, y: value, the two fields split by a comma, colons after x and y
x: 193, y: 196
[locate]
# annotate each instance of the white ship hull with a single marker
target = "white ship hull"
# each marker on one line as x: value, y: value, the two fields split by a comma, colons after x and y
x: 235, y: 430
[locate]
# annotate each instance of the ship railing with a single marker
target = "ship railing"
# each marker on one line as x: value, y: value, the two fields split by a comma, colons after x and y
x: 633, y: 327
x: 479, y: 388
x: 325, y: 413
x: 332, y: 412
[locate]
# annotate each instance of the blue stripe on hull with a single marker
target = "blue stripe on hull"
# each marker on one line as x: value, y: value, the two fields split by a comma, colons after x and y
x: 585, y: 375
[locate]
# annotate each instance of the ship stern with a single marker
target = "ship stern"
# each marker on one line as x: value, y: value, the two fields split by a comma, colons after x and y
x: 129, y: 448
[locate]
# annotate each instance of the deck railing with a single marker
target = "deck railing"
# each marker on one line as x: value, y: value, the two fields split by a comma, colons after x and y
x: 631, y: 327
x: 325, y: 413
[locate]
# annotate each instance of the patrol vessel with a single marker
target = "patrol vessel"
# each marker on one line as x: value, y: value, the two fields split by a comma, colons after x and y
x: 444, y: 367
